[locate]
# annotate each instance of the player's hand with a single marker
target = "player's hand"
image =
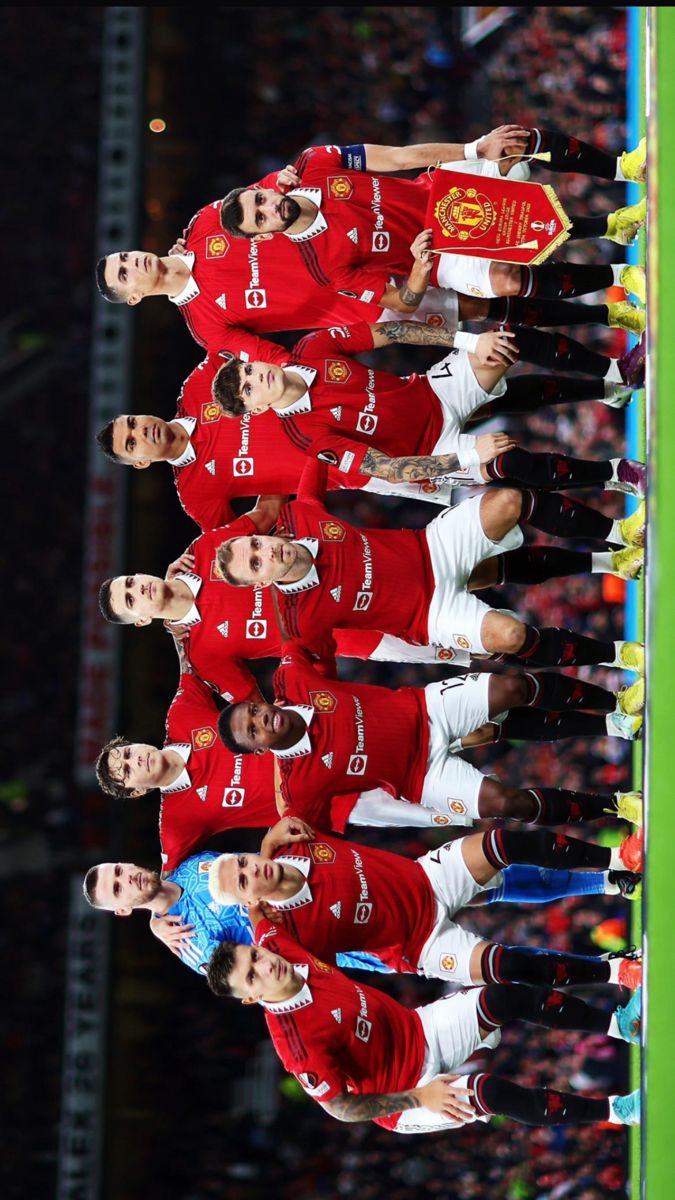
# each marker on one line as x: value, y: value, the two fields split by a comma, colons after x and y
x: 172, y: 932
x: 421, y: 250
x: 178, y: 632
x: 179, y: 246
x: 506, y: 139
x: 185, y: 562
x: 440, y: 1096
x: 489, y: 445
x: 288, y: 829
x: 287, y: 178
x: 496, y: 348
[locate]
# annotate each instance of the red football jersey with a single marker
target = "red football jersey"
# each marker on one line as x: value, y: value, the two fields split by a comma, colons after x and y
x: 244, y: 287
x: 361, y: 737
x: 245, y: 457
x: 361, y: 899
x: 341, y: 1035
x: 371, y: 222
x: 360, y: 573
x: 226, y: 791
x: 354, y: 406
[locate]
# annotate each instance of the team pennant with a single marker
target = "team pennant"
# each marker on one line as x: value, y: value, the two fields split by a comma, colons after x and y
x: 503, y: 219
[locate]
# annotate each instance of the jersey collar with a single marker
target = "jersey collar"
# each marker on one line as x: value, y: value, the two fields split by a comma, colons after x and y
x: 304, y: 403
x: 194, y: 582
x: 319, y: 224
x: 189, y: 454
x: 301, y: 1000
x: 311, y: 579
x: 191, y: 289
x: 183, y: 781
x: 304, y: 746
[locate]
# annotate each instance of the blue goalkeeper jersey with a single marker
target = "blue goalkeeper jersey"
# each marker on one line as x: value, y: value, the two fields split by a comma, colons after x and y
x: 215, y: 923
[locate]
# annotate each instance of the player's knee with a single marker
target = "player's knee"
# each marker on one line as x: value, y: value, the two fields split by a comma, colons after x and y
x: 509, y: 503
x: 512, y: 636
x: 506, y: 279
x: 507, y: 691
x: 497, y: 801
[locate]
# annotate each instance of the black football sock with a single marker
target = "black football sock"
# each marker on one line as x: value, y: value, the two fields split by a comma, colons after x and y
x: 529, y: 393
x: 590, y: 227
x: 542, y: 312
x: 538, y: 1004
x: 540, y: 725
x: 561, y: 281
x: 556, y: 692
x: 502, y: 847
x: 494, y: 1095
x: 553, y: 647
x: 571, y: 154
x: 559, y: 353
x: 563, y: 516
x: 547, y: 471
x: 558, y: 806
x: 536, y: 564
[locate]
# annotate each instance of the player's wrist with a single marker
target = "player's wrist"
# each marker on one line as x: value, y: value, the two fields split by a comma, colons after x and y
x: 466, y: 341
x: 471, y: 151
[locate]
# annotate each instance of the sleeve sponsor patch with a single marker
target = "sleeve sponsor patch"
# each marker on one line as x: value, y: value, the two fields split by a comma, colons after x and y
x: 313, y: 1085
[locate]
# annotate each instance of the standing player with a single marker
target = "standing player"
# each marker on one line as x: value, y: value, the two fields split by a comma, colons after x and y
x: 364, y: 1057
x: 360, y: 421
x: 328, y: 573
x: 361, y: 227
x: 331, y: 894
x: 329, y: 736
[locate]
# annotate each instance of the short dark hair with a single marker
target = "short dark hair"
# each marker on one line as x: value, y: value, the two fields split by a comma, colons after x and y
x: 225, y: 730
x: 104, y: 288
x: 105, y: 603
x: 220, y: 967
x: 232, y: 214
x: 89, y: 884
x: 104, y: 441
x: 113, y: 787
x: 223, y: 560
x: 226, y: 388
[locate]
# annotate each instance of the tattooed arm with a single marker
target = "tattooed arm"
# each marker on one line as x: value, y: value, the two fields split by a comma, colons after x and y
x: 439, y: 1096
x: 495, y: 348
x: 410, y: 294
x: 416, y: 467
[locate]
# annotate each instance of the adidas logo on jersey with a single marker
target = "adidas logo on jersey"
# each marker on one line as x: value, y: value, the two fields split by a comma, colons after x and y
x: 221, y: 301
x: 337, y: 413
x: 353, y: 235
x: 211, y: 466
x: 224, y: 629
x: 201, y: 792
x: 336, y: 909
x: 336, y: 593
x: 337, y: 1014
x: 327, y: 759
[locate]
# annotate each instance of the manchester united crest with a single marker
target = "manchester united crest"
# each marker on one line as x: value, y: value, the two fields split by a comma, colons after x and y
x: 203, y: 737
x: 340, y: 187
x: 457, y: 807
x: 435, y: 319
x: 332, y: 531
x: 217, y: 246
x: 464, y: 213
x: 321, y: 852
x: 445, y: 654
x: 323, y: 701
x: 336, y: 370
x: 462, y: 641
x: 322, y: 966
x: 211, y: 411
x: 448, y: 963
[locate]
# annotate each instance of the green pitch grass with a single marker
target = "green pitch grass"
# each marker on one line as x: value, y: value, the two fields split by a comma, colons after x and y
x: 659, y: 1099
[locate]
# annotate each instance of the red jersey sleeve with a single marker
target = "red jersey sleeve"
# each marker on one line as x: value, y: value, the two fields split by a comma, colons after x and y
x: 344, y: 454
x: 313, y: 482
x: 239, y: 343
x: 232, y: 679
x: 345, y: 339
x: 367, y: 286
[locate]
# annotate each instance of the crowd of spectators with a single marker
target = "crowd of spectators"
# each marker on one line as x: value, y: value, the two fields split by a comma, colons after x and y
x: 377, y: 74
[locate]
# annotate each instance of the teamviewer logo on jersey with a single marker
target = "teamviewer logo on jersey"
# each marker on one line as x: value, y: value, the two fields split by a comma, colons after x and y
x: 357, y: 764
x: 363, y: 1029
x: 233, y: 797
x: 242, y: 466
x: 366, y: 422
x: 362, y: 601
x: 380, y: 242
x: 255, y: 298
x: 363, y: 913
x: 256, y: 629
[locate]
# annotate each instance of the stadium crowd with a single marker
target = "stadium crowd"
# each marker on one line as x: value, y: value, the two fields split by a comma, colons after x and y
x: 377, y: 74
